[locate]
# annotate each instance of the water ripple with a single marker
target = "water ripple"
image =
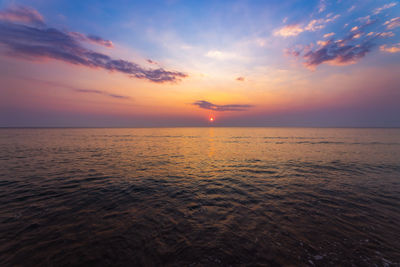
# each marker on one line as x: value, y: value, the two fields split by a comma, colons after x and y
x: 199, y: 197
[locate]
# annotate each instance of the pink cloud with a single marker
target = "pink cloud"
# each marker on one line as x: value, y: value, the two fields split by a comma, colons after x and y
x: 390, y: 49
x: 380, y: 9
x: 393, y: 23
x: 312, y: 26
x: 22, y: 14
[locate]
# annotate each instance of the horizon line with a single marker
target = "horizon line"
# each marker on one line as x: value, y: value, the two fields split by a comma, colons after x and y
x: 217, y: 126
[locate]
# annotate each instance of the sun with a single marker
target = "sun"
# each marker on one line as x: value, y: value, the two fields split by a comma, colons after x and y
x: 212, y: 119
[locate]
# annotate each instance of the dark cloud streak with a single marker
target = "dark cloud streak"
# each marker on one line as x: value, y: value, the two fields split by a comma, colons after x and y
x: 335, y: 52
x: 232, y: 107
x: 91, y: 39
x: 32, y: 42
x: 75, y: 89
x: 98, y: 92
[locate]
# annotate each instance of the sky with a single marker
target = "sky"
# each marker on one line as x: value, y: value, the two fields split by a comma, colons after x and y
x: 311, y: 63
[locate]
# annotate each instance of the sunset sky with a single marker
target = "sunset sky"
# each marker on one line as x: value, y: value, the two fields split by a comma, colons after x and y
x: 178, y: 63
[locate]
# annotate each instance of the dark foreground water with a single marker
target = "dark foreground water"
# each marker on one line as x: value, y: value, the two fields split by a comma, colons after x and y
x: 200, y: 197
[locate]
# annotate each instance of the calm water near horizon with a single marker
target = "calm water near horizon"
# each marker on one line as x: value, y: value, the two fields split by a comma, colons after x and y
x: 200, y: 197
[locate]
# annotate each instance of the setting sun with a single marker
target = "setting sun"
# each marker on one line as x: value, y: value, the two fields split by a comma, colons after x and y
x: 212, y: 119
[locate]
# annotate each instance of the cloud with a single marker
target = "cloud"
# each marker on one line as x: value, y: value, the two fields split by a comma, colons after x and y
x: 341, y: 52
x: 321, y: 6
x: 393, y: 23
x: 315, y: 24
x: 289, y: 30
x: 151, y: 62
x: 322, y: 43
x: 91, y: 39
x: 336, y: 54
x: 348, y: 50
x: 366, y: 19
x: 312, y: 26
x: 386, y: 34
x: 355, y: 44
x: 100, y: 41
x: 355, y: 28
x: 329, y: 35
x: 240, y: 79
x: 39, y: 43
x: 390, y: 49
x: 78, y: 90
x: 351, y: 8
x: 98, y: 92
x: 380, y: 9
x: 292, y: 52
x: 22, y: 15
x: 232, y: 107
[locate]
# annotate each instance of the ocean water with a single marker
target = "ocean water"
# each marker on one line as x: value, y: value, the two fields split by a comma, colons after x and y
x: 200, y: 197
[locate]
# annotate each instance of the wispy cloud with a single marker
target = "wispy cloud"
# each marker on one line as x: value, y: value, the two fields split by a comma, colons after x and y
x: 91, y: 39
x: 231, y: 107
x: 75, y: 89
x: 393, y: 23
x: 351, y: 8
x: 98, y: 92
x: 151, y: 62
x: 22, y: 14
x: 312, y: 26
x: 390, y: 49
x: 386, y: 34
x: 380, y: 9
x: 41, y: 42
x: 321, y: 6
x: 329, y: 35
x: 317, y: 24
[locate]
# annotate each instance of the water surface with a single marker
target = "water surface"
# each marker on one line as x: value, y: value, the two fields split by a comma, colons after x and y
x: 200, y: 197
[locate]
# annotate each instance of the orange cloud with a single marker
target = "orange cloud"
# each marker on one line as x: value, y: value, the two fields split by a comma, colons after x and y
x: 322, y: 43
x: 355, y: 28
x: 329, y: 35
x: 289, y: 30
x: 390, y: 49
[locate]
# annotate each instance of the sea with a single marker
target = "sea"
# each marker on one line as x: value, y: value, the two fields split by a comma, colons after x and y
x: 199, y: 196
